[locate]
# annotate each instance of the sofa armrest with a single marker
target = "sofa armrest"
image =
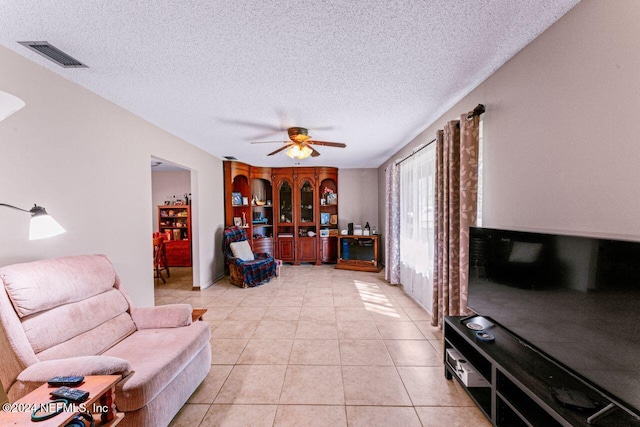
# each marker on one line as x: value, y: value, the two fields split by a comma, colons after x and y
x: 41, y: 372
x: 162, y: 316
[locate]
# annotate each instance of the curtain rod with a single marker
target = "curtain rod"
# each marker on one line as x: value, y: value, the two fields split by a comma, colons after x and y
x: 417, y: 150
x: 476, y: 112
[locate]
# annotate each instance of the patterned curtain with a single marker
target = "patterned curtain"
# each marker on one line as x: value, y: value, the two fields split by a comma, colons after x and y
x: 392, y: 226
x: 456, y: 209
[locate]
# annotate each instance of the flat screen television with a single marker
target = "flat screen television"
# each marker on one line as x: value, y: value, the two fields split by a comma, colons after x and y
x: 575, y: 299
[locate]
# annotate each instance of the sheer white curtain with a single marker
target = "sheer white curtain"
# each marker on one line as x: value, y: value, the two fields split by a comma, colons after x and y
x: 417, y: 236
x: 392, y: 225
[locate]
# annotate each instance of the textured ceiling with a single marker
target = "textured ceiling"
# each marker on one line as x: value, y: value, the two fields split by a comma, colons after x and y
x: 219, y: 74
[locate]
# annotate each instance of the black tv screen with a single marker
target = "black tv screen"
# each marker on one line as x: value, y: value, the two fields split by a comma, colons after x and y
x: 575, y: 298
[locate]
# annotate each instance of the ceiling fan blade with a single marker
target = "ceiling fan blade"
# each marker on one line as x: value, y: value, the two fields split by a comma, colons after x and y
x: 267, y: 134
x: 328, y: 144
x: 314, y: 153
x: 248, y: 123
x: 279, y: 150
x: 266, y: 142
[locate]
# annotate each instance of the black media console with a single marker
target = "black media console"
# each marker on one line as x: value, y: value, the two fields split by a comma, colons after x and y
x: 514, y: 384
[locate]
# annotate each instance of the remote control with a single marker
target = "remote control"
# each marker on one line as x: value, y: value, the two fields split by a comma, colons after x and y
x: 72, y: 394
x: 66, y: 381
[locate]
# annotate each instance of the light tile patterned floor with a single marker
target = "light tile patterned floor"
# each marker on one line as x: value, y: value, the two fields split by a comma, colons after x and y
x: 319, y: 347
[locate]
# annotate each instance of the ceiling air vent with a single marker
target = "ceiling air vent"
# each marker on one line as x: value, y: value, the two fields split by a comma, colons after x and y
x: 54, y: 54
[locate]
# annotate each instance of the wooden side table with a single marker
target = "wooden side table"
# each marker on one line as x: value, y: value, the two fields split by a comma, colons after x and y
x: 197, y: 314
x: 101, y: 403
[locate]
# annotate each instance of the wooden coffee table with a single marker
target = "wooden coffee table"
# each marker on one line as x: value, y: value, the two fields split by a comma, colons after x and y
x: 101, y: 403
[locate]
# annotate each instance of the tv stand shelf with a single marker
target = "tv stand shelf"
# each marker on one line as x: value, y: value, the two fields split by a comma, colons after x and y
x: 520, y: 379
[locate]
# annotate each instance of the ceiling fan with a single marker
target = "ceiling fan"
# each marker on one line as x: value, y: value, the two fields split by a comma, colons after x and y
x: 300, y: 144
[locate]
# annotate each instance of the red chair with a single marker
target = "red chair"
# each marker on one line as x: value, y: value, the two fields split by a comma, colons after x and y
x: 159, y: 258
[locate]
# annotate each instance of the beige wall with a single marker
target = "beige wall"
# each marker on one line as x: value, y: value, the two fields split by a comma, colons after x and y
x: 358, y: 197
x: 167, y: 184
x: 87, y: 161
x: 561, y: 128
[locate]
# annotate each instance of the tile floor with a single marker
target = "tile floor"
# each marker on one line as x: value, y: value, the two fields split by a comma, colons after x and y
x: 319, y: 347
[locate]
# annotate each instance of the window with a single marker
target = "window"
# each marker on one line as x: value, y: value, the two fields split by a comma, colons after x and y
x: 417, y: 234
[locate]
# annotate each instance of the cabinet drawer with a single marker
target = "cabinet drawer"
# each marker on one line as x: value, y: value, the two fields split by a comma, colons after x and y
x: 178, y: 253
x: 177, y: 244
x: 263, y: 246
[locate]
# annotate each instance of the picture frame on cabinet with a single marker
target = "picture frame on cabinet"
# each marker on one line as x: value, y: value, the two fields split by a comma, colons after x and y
x: 236, y: 199
x: 237, y: 221
x: 325, y: 218
x: 332, y: 199
x: 333, y: 219
x: 324, y: 232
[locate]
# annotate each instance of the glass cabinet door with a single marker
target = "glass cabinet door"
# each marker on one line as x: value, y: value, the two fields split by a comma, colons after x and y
x: 286, y: 203
x: 306, y: 202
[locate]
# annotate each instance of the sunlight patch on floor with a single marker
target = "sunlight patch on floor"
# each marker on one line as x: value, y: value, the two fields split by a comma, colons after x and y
x: 374, y: 300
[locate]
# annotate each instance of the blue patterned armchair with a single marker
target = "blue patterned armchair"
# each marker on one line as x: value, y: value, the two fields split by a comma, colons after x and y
x: 248, y: 272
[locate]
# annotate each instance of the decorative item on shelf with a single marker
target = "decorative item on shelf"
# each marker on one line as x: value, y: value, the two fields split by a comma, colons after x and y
x: 332, y: 199
x: 325, y: 217
x: 367, y: 230
x: 324, y: 232
x: 187, y: 198
x: 350, y: 228
x: 357, y: 230
x: 311, y: 233
x: 375, y: 233
x: 333, y: 232
x: 236, y: 199
x: 268, y: 202
x: 244, y: 219
x: 333, y: 220
x: 344, y: 232
x: 237, y: 221
x: 325, y: 195
x: 245, y: 200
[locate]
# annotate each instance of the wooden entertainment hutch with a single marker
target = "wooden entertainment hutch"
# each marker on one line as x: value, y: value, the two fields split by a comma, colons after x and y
x: 285, y: 211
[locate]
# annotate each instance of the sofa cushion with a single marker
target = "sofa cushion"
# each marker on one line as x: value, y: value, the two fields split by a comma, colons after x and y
x: 37, y: 286
x: 94, y: 341
x: 59, y: 324
x: 156, y: 356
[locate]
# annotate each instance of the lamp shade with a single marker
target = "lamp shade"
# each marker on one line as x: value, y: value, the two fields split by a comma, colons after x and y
x: 43, y: 225
x: 9, y: 104
x: 299, y: 152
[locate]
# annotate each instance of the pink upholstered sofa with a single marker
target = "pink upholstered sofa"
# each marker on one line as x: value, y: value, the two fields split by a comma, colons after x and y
x: 71, y: 316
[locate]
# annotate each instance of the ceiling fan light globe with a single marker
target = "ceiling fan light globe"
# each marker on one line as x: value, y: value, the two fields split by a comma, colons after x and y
x: 305, y: 152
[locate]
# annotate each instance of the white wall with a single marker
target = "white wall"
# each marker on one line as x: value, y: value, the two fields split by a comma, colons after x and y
x: 87, y: 161
x: 358, y: 197
x: 167, y: 184
x: 561, y: 128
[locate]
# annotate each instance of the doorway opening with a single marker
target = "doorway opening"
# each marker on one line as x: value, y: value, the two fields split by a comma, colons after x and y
x: 174, y: 220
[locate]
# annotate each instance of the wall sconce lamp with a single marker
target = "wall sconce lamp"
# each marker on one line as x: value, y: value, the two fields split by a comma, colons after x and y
x: 42, y: 224
x: 9, y: 104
